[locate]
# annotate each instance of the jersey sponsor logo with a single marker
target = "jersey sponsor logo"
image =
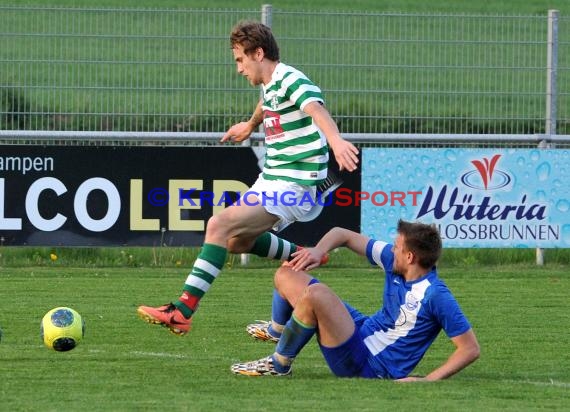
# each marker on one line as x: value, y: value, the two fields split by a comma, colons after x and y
x: 272, y: 124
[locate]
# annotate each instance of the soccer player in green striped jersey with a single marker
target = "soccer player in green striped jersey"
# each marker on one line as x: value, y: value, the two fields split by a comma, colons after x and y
x: 298, y: 134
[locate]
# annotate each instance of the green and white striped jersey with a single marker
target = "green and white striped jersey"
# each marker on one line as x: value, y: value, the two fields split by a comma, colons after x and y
x: 297, y: 151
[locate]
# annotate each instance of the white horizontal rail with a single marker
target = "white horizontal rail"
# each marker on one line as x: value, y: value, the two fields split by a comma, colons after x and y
x: 354, y: 137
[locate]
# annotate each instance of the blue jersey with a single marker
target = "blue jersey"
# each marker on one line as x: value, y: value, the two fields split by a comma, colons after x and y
x: 411, y: 317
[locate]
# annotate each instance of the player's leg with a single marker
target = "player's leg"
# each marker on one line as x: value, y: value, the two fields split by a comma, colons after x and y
x: 247, y: 220
x: 314, y: 305
x: 317, y: 306
x: 281, y: 309
x: 266, y: 245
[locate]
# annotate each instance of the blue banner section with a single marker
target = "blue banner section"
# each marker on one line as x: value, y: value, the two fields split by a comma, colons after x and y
x: 477, y: 197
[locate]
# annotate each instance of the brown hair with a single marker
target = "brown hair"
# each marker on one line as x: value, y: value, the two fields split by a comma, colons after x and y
x: 422, y: 240
x: 251, y: 35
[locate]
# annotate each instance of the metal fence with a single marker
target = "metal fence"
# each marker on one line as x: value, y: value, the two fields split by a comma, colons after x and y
x: 383, y: 74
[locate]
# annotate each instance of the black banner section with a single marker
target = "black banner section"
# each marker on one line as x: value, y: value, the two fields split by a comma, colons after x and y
x: 136, y: 196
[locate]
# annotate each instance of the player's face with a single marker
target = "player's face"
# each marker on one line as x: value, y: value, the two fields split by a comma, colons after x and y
x: 248, y: 65
x: 401, y: 256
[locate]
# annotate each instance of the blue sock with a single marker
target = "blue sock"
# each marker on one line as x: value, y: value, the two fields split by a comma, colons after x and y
x: 281, y: 310
x: 294, y: 337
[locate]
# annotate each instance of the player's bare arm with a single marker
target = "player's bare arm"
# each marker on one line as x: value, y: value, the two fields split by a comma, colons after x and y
x: 466, y: 352
x: 241, y: 131
x: 345, y: 153
x: 310, y: 258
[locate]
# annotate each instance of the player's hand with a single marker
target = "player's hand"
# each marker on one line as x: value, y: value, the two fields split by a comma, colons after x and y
x: 346, y: 155
x: 306, y: 259
x: 238, y: 132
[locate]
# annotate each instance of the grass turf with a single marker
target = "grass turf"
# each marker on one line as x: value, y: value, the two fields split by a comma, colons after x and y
x: 518, y: 313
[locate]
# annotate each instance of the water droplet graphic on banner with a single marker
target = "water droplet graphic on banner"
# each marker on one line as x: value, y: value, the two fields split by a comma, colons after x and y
x: 543, y: 171
x: 450, y: 155
x: 563, y: 205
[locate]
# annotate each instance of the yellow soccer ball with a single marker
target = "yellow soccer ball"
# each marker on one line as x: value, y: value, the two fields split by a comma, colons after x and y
x: 62, y: 329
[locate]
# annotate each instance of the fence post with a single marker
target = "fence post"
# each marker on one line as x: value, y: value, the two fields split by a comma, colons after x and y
x: 551, y: 93
x: 267, y: 19
x: 266, y: 14
x: 551, y: 72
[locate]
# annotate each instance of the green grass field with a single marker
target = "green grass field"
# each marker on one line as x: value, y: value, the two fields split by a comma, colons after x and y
x: 519, y: 313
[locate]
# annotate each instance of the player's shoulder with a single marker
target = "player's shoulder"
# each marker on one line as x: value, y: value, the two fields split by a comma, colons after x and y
x: 438, y: 287
x: 379, y: 253
x: 290, y: 72
x: 378, y: 246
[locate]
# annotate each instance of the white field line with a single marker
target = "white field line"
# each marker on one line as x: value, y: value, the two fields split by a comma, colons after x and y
x: 159, y: 354
x: 550, y: 382
x: 148, y: 354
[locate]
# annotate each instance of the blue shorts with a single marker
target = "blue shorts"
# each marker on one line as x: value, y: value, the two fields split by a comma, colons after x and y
x: 349, y: 359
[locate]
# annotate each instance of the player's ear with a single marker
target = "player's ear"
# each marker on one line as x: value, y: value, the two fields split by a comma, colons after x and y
x: 411, y: 257
x: 259, y: 54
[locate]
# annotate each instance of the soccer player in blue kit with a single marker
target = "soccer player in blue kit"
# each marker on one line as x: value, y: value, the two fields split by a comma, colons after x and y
x: 389, y: 344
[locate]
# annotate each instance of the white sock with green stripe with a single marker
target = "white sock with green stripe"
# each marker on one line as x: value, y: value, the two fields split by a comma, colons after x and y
x: 206, y: 268
x: 273, y: 247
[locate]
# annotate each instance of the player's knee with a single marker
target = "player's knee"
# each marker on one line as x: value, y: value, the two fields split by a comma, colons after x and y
x: 281, y: 277
x: 240, y: 245
x: 217, y: 227
x: 315, y: 294
x: 213, y: 224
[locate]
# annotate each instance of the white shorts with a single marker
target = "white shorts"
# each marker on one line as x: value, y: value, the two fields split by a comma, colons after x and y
x: 289, y: 201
